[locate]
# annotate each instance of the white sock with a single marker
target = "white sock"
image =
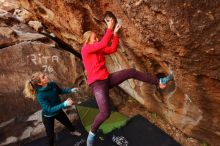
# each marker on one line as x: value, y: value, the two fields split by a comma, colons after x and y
x: 90, y: 132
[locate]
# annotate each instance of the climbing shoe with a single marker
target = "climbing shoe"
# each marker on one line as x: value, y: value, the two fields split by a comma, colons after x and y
x: 166, y: 79
x: 90, y: 139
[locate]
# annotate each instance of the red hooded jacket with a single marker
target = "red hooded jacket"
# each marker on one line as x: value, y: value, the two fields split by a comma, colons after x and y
x: 93, y: 56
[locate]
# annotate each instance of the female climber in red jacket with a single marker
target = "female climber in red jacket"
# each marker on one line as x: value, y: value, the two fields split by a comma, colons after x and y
x: 93, y: 55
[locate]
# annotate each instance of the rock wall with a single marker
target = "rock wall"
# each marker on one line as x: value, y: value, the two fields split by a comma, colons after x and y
x: 157, y: 37
x: 24, y: 51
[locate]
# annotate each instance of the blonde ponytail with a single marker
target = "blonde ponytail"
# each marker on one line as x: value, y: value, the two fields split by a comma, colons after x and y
x: 31, y: 85
x: 86, y: 37
x: 29, y: 91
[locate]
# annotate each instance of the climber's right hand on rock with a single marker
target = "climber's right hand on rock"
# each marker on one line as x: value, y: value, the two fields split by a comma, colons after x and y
x: 117, y: 27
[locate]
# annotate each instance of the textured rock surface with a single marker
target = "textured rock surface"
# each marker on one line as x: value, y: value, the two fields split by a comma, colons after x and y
x: 23, y: 52
x: 155, y: 35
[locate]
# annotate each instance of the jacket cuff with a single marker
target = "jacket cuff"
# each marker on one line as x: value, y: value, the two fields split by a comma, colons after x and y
x: 73, y: 90
x: 65, y: 103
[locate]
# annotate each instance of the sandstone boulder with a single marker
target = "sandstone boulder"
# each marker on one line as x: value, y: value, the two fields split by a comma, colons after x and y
x: 157, y: 37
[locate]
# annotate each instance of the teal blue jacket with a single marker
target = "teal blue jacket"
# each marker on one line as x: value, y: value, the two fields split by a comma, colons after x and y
x: 49, y: 99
